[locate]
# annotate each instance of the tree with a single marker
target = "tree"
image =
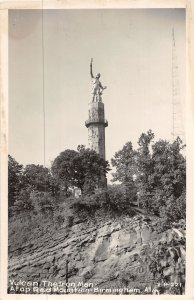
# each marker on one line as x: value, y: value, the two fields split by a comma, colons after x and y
x: 169, y: 178
x: 91, y: 169
x: 161, y: 179
x: 124, y: 162
x: 160, y: 175
x: 144, y: 169
x: 131, y: 164
x: 38, y: 177
x: 34, y: 179
x: 82, y: 168
x: 14, y: 180
x: 63, y: 169
x: 23, y: 201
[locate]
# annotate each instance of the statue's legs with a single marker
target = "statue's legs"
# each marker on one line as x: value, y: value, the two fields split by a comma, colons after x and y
x: 98, y: 95
x: 95, y: 91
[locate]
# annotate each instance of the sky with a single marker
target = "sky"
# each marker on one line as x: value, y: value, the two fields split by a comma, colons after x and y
x: 49, y: 68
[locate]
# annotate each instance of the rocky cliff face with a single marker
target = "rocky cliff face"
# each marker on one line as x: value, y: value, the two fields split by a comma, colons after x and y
x: 125, y: 255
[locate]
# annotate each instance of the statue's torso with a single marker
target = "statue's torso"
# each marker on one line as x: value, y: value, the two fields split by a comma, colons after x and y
x: 96, y: 83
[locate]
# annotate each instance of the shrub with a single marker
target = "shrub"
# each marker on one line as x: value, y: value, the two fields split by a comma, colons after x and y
x: 173, y: 209
x: 59, y: 219
x: 87, y: 203
x: 23, y: 201
x: 65, y: 217
x: 42, y: 202
x: 112, y: 199
x: 116, y: 199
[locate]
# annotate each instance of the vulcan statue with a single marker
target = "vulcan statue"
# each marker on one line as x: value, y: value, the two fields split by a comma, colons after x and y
x: 97, y: 86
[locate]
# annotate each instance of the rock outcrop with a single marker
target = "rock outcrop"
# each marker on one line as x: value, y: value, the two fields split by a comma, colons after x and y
x: 116, y: 257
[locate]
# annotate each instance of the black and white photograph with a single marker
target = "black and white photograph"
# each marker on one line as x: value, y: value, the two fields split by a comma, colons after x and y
x: 97, y: 151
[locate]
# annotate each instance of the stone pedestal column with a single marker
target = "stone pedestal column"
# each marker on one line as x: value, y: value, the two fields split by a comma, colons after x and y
x: 96, y: 124
x: 96, y: 128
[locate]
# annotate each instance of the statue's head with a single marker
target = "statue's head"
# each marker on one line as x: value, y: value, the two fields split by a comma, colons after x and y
x: 98, y: 75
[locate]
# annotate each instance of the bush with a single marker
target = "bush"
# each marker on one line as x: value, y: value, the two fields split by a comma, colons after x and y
x: 112, y: 199
x: 173, y: 210
x: 65, y: 217
x: 33, y: 201
x: 116, y: 199
x: 23, y: 201
x: 42, y: 202
x: 59, y: 219
x: 85, y: 203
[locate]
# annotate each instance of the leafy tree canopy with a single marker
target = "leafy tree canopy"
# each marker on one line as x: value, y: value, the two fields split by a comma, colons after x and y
x: 38, y: 177
x: 79, y: 168
x: 124, y: 161
x: 159, y: 170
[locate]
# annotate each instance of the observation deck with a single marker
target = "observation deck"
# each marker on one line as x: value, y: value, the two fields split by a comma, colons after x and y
x: 96, y: 122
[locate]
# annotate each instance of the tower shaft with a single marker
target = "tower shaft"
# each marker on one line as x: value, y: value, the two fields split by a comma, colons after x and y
x: 96, y: 128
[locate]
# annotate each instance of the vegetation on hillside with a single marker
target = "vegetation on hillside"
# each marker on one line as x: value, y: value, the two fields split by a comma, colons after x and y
x: 158, y: 172
x: 150, y: 180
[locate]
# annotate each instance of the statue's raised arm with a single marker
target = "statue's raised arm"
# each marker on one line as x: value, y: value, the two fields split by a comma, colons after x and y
x: 91, y: 72
x: 97, y: 87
